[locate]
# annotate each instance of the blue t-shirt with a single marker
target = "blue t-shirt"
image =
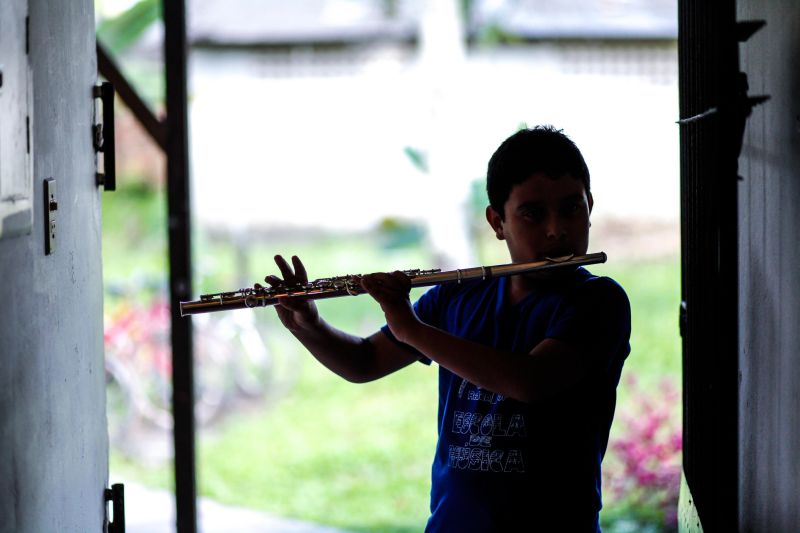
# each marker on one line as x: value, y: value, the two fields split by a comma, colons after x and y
x: 504, y: 465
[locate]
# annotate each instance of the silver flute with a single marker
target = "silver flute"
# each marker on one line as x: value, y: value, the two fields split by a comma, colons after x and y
x: 350, y: 285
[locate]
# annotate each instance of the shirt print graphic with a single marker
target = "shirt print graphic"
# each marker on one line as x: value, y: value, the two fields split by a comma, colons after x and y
x: 483, y: 438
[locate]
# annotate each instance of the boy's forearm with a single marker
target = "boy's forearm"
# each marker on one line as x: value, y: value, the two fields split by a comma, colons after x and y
x: 347, y: 355
x: 509, y: 374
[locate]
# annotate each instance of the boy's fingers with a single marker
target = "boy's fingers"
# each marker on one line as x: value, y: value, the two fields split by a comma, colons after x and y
x: 273, y: 280
x: 385, y: 285
x: 402, y: 279
x: 293, y: 304
x: 377, y: 280
x: 393, y: 282
x: 285, y: 269
x: 371, y: 284
x: 299, y: 270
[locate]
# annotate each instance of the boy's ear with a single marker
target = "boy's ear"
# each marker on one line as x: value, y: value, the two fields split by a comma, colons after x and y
x: 495, y: 221
x: 590, y: 199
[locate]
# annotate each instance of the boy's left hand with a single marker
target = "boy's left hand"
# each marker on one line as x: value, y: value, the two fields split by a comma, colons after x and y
x: 391, y: 291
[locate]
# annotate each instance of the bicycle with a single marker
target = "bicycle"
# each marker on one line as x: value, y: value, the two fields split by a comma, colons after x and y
x: 232, y: 365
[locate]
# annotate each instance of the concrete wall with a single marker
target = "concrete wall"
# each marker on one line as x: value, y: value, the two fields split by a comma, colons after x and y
x: 769, y: 206
x: 53, y: 439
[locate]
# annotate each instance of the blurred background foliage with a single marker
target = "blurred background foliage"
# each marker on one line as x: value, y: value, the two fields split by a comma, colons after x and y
x: 120, y: 32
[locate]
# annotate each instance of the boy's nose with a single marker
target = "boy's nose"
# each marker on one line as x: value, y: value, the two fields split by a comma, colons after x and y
x: 554, y: 229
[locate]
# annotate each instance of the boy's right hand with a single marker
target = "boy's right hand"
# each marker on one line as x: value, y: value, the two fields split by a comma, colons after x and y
x: 296, y: 314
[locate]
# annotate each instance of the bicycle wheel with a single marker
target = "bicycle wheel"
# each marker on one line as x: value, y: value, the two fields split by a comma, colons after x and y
x: 119, y: 403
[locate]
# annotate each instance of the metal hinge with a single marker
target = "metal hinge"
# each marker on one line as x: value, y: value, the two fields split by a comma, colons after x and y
x: 116, y: 495
x: 747, y: 28
x: 103, y: 137
x: 27, y: 52
x: 743, y: 103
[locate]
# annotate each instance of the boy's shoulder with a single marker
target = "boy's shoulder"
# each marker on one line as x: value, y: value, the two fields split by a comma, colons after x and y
x: 588, y: 279
x: 582, y: 285
x: 594, y: 286
x: 602, y: 296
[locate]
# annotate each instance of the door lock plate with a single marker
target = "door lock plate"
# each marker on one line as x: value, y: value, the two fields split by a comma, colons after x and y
x: 50, y: 208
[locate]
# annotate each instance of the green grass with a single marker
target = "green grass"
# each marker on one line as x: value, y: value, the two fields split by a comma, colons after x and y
x: 355, y: 456
x: 134, y: 238
x: 352, y: 456
x: 653, y: 288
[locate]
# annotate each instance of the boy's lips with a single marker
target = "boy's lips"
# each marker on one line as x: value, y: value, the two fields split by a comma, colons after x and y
x: 556, y: 252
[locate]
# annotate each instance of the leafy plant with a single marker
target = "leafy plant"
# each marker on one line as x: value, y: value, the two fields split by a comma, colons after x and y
x: 122, y: 31
x: 397, y: 233
x: 642, y: 472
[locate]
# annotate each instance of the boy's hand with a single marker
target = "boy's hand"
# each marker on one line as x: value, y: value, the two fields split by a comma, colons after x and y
x: 391, y: 290
x: 297, y: 314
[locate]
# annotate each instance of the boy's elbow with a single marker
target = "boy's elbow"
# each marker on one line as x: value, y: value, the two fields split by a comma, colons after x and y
x: 527, y: 395
x: 358, y: 377
x: 362, y: 371
x: 533, y: 389
x: 532, y: 393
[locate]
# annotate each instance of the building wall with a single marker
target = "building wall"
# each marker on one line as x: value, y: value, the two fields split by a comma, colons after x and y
x: 358, y: 109
x: 54, y: 460
x: 769, y: 206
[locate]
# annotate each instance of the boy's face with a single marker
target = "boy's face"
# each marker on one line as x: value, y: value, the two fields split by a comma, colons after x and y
x: 544, y: 217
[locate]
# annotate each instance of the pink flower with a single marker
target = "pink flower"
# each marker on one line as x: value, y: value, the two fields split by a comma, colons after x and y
x: 644, y: 463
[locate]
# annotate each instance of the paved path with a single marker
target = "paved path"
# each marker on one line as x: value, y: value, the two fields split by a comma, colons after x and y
x: 153, y: 511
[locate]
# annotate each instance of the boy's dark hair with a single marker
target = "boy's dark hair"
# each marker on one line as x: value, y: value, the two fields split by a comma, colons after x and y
x: 542, y: 149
